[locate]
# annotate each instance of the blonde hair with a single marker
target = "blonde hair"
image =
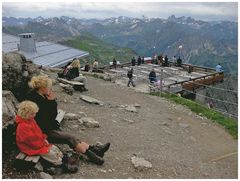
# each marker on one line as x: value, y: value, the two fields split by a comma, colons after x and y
x: 26, y: 108
x: 39, y: 82
x: 75, y: 63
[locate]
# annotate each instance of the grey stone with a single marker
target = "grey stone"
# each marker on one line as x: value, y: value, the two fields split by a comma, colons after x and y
x: 131, y: 108
x: 44, y: 175
x: 140, y: 163
x: 82, y: 114
x: 137, y: 105
x: 71, y: 116
x: 38, y: 166
x: 128, y: 120
x: 164, y: 124
x: 91, y: 100
x: 122, y: 106
x: 168, y: 132
x: 183, y: 125
x: 192, y: 139
x: 102, y: 170
x: 90, y: 122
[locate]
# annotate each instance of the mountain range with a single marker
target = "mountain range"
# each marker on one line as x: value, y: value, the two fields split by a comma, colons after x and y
x: 197, y: 42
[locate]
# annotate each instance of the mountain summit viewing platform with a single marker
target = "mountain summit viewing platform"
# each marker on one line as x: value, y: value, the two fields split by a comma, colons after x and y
x: 174, y: 79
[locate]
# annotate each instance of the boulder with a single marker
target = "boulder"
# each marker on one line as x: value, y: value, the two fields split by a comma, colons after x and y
x: 140, y: 163
x: 44, y: 175
x: 89, y: 122
x: 9, y: 109
x: 91, y: 100
x: 71, y: 116
x: 131, y: 108
x: 16, y: 72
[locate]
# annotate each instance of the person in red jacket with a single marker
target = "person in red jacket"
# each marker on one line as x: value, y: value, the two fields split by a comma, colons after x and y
x: 29, y: 137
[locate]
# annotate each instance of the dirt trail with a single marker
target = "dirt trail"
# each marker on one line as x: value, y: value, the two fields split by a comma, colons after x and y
x: 177, y: 142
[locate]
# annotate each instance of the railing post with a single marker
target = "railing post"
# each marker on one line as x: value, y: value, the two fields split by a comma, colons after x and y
x: 161, y: 81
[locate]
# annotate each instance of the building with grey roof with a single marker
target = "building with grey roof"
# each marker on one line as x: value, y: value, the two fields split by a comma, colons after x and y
x: 41, y: 53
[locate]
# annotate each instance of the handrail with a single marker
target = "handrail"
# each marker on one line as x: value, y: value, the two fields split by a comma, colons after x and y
x: 190, y: 79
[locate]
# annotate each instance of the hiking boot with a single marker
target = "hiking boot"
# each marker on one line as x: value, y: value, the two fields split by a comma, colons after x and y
x: 70, y: 163
x: 94, y: 158
x: 99, y: 149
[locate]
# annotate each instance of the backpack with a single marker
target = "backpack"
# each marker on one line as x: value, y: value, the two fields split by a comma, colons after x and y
x: 129, y: 74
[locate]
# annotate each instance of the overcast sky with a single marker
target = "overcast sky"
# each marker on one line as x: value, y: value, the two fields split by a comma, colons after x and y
x: 201, y: 11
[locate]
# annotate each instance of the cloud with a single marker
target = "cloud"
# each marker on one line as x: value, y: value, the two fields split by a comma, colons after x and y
x: 203, y: 10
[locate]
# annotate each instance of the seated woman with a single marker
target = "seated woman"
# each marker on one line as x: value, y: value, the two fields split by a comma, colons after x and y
x: 152, y: 76
x: 73, y: 72
x: 30, y: 138
x: 44, y: 97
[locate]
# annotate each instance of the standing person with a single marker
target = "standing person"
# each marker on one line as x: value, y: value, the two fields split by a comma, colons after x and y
x: 114, y: 63
x: 73, y: 73
x: 29, y: 137
x: 179, y: 62
x: 130, y: 76
x: 139, y: 61
x: 133, y: 61
x: 166, y: 61
x: 174, y: 59
x: 142, y: 60
x: 95, y: 66
x: 44, y: 97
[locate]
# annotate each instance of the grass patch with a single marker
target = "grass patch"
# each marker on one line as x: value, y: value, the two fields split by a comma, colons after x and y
x: 229, y: 124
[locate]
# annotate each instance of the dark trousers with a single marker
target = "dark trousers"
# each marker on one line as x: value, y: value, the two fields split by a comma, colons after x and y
x: 60, y: 137
x: 130, y: 81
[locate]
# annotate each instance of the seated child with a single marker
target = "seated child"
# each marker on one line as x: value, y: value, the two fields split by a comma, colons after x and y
x: 30, y: 138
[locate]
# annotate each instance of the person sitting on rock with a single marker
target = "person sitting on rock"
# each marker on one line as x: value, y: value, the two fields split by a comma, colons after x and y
x: 87, y: 67
x: 73, y: 73
x: 44, y: 97
x: 152, y: 76
x: 95, y: 66
x: 29, y: 137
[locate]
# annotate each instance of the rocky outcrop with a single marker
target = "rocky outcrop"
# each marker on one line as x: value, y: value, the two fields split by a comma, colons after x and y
x: 9, y: 109
x: 16, y: 72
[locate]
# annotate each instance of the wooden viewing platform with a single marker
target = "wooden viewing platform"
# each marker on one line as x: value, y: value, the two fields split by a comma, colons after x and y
x: 175, y: 79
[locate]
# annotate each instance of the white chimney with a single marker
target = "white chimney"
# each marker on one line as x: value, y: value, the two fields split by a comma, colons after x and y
x: 27, y: 43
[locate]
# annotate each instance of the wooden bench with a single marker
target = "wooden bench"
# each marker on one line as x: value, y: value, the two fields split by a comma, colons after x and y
x: 23, y: 156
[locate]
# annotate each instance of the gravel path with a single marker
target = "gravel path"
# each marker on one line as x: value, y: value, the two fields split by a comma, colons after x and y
x: 177, y: 142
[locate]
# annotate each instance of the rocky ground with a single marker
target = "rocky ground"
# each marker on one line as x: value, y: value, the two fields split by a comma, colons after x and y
x: 150, y: 136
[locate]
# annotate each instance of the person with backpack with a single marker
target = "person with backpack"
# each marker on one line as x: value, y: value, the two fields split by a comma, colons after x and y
x: 130, y: 77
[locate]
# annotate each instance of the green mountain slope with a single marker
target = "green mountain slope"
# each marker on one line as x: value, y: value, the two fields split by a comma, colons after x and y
x: 98, y: 49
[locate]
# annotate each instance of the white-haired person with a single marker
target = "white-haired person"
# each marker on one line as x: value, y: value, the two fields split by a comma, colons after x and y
x: 44, y: 97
